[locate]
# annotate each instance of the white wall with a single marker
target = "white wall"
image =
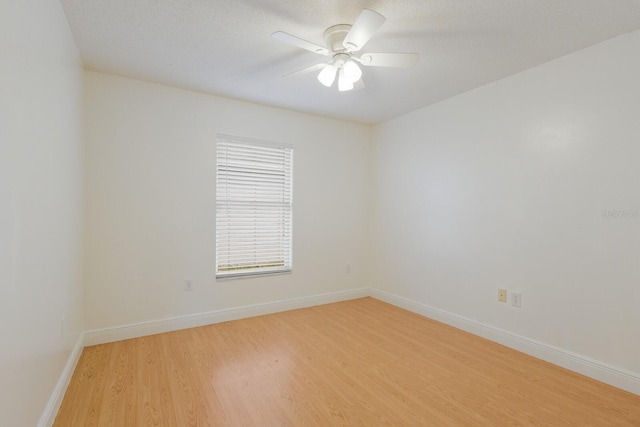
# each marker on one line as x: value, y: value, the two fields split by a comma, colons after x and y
x: 40, y: 204
x: 504, y: 187
x: 151, y: 201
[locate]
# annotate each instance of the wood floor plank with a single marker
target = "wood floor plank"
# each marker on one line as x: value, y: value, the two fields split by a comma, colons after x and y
x: 356, y: 363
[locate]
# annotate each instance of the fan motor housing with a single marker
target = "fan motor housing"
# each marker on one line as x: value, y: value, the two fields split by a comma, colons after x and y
x: 335, y: 35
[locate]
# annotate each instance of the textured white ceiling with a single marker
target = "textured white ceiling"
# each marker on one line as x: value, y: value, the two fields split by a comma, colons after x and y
x: 224, y: 47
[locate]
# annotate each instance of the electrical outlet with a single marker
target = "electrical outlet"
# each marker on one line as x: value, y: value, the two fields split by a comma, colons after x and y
x: 188, y: 285
x: 516, y: 299
x: 502, y: 295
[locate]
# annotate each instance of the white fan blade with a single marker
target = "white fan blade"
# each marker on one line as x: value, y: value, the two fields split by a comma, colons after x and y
x: 298, y: 42
x: 305, y: 70
x: 363, y: 29
x: 389, y: 59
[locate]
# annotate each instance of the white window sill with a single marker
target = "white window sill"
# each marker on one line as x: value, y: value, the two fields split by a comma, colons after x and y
x: 225, y: 277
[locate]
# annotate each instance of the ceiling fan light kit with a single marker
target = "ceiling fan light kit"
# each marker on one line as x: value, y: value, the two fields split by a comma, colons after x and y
x: 327, y: 75
x: 342, y: 42
x: 344, y: 84
x: 352, y: 71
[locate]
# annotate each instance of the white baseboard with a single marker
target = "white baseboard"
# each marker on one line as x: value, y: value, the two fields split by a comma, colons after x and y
x: 55, y: 400
x: 608, y: 374
x: 101, y: 336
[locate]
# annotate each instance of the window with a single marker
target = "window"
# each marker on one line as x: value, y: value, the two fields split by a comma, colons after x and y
x: 253, y: 207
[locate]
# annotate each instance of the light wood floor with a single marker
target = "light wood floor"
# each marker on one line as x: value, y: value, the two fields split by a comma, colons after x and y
x: 360, y: 362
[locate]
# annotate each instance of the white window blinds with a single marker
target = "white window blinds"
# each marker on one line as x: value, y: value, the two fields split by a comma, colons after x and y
x: 253, y: 207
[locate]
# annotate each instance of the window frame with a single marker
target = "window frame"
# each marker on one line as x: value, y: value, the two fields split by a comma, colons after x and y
x: 287, y: 208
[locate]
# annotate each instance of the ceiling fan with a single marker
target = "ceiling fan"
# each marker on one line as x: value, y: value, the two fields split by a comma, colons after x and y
x: 343, y: 41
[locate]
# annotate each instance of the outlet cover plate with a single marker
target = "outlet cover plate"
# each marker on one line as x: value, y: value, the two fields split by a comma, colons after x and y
x: 516, y: 299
